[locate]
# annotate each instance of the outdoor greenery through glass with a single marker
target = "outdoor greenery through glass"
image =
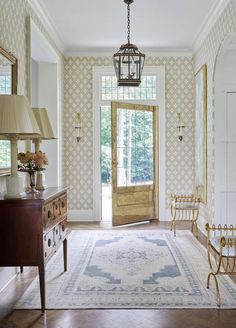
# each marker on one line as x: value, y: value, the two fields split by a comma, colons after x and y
x: 142, y: 156
x: 106, y: 144
x: 134, y: 147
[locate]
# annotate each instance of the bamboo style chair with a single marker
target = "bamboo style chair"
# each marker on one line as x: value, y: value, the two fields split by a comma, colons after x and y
x: 221, y: 250
x: 184, y: 208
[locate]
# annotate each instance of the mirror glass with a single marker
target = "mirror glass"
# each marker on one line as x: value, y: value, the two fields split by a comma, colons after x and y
x: 8, y: 86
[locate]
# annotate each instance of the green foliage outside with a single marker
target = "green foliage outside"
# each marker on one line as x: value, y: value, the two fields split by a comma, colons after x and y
x: 137, y: 152
x: 106, y: 144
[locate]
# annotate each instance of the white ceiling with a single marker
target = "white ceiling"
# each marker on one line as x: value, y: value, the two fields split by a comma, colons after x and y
x: 158, y: 25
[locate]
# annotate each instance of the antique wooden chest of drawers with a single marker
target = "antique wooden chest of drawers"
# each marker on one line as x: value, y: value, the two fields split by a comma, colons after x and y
x: 32, y: 229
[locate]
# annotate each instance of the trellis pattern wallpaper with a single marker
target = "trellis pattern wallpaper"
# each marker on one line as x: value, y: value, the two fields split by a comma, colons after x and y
x: 13, y: 36
x: 207, y: 54
x: 78, y: 158
x: 78, y: 97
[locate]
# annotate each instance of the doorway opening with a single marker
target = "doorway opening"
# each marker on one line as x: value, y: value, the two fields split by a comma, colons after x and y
x: 144, y: 94
x: 134, y: 163
x: 44, y: 92
x: 150, y: 92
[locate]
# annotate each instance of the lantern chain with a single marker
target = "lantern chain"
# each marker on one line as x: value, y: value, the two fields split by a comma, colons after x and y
x: 128, y: 23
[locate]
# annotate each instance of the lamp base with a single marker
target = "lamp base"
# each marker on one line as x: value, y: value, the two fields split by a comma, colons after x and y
x: 15, y: 187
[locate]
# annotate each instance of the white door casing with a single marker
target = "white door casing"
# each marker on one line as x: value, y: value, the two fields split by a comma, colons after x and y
x: 159, y: 71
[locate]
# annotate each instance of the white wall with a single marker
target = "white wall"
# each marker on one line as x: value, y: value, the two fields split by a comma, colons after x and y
x: 48, y: 98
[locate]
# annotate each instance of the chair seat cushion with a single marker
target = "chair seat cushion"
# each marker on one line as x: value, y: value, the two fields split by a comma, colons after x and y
x: 227, y: 250
x: 184, y: 205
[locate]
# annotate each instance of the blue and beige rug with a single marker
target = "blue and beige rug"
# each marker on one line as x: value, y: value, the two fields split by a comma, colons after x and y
x: 130, y: 269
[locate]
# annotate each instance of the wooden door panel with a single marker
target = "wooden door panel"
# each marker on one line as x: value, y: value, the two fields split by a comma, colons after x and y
x: 138, y: 197
x: 134, y: 189
x: 132, y: 214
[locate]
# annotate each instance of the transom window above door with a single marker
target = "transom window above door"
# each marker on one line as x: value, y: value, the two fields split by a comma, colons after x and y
x: 146, y: 90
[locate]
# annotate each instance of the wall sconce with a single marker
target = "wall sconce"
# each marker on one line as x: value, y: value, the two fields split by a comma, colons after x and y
x: 180, y: 126
x: 78, y: 127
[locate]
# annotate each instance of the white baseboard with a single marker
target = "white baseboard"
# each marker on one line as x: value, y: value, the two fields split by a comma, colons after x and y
x: 80, y: 216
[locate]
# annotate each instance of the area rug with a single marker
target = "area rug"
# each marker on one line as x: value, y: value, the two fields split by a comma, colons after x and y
x: 130, y: 269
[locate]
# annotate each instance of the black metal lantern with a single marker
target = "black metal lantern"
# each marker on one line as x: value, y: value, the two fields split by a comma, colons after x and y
x: 128, y: 61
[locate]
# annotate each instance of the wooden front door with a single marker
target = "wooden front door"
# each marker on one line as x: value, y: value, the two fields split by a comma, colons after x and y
x: 134, y: 163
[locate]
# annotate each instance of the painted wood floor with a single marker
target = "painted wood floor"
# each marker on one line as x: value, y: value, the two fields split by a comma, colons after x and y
x: 106, y: 318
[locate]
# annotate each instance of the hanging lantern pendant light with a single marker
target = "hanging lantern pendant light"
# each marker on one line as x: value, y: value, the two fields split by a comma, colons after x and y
x: 128, y: 61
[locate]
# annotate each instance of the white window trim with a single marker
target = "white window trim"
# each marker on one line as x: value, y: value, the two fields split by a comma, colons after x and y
x: 159, y: 71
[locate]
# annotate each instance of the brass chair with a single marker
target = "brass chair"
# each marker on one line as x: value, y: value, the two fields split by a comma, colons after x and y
x: 221, y: 249
x: 184, y: 207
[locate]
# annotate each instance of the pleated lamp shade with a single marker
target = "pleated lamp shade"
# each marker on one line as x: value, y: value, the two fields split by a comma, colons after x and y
x: 17, y: 121
x: 42, y: 118
x: 16, y: 117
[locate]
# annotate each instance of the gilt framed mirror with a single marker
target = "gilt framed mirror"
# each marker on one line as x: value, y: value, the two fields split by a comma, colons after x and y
x: 201, y: 133
x: 8, y: 86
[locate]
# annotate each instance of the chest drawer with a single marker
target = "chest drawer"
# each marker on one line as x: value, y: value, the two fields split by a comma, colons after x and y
x: 54, y: 211
x: 63, y: 204
x: 63, y: 229
x: 48, y: 214
x: 48, y: 243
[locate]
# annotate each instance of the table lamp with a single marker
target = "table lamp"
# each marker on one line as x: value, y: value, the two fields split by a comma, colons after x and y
x: 17, y: 122
x: 44, y: 123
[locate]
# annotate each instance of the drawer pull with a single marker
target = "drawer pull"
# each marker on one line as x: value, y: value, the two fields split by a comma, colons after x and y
x: 62, y: 204
x: 63, y: 227
x: 56, y: 231
x: 49, y: 214
x: 45, y: 254
x: 49, y: 242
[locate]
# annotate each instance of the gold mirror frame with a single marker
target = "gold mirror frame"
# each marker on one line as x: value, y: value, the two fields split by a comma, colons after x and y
x: 201, y: 133
x: 13, y: 60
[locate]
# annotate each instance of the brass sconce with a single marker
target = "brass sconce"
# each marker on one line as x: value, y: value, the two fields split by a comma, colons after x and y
x: 78, y: 127
x: 180, y: 126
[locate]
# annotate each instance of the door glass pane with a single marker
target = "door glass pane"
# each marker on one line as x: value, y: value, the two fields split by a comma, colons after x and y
x: 106, y: 162
x: 134, y: 147
x: 146, y: 90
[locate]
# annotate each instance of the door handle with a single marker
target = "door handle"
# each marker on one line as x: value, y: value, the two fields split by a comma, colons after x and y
x: 114, y: 163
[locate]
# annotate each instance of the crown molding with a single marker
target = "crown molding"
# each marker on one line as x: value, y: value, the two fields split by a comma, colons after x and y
x: 42, y: 13
x: 209, y: 23
x: 40, y: 10
x: 108, y: 52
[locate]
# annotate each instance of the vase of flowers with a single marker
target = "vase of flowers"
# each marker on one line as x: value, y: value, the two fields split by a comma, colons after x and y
x: 33, y: 163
